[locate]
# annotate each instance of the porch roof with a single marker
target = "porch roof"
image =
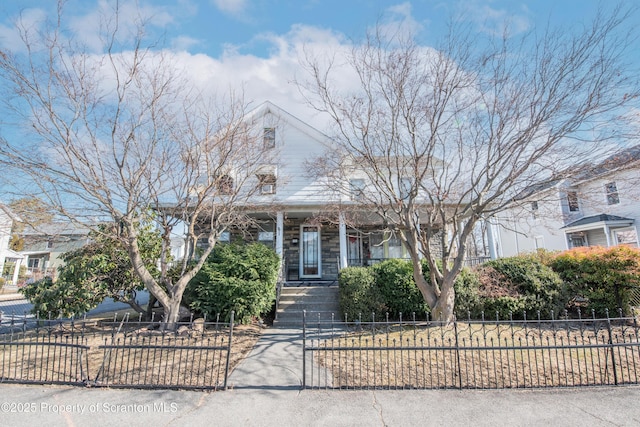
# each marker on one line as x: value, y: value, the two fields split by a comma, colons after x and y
x: 598, y: 221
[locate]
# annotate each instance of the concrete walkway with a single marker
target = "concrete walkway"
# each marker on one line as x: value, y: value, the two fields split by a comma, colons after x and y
x: 275, y: 363
x: 265, y: 391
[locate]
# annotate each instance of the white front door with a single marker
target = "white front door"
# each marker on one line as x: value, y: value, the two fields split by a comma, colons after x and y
x: 310, y: 256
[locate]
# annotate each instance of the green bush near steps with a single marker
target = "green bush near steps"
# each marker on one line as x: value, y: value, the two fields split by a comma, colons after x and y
x: 236, y: 277
x: 387, y: 287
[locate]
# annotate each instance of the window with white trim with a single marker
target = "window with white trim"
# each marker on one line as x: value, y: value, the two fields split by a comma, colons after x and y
x: 269, y: 137
x: 356, y: 188
x: 405, y: 188
x: 611, y: 190
x: 267, y: 183
x: 572, y: 201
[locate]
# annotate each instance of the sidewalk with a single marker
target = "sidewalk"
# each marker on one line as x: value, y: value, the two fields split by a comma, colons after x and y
x: 265, y: 391
x: 275, y: 363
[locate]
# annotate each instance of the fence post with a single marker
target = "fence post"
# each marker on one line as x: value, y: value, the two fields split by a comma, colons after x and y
x: 304, y: 349
x: 613, y: 357
x: 455, y: 331
x: 226, y: 368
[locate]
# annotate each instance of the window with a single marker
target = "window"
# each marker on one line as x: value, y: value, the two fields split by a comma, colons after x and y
x: 33, y: 263
x: 405, y: 188
x: 224, y: 184
x: 49, y: 244
x: 266, y: 234
x: 612, y: 193
x: 356, y: 188
x: 627, y: 237
x: 267, y: 184
x: 225, y: 237
x: 572, y: 200
x: 269, y: 137
x: 534, y: 209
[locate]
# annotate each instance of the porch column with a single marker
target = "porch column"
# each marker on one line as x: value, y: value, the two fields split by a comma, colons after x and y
x: 490, y: 241
x: 279, y: 233
x: 279, y: 241
x: 607, y: 234
x: 342, y: 231
x: 16, y: 271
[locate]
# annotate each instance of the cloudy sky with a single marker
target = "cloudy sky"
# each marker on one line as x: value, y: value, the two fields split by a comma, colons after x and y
x: 256, y: 44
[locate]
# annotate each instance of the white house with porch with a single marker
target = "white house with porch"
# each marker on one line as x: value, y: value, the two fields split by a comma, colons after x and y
x: 296, y: 212
x: 599, y: 208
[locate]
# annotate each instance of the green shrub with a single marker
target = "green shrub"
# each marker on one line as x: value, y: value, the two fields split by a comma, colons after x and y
x: 601, y: 277
x: 397, y: 288
x: 467, y: 286
x: 62, y: 298
x: 359, y: 295
x: 235, y: 277
x: 519, y: 284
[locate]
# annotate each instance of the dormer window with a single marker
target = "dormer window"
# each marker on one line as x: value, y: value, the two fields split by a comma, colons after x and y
x: 269, y: 137
x: 267, y: 184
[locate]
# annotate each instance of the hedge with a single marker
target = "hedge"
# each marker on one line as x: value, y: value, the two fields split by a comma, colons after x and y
x: 599, y: 278
x: 235, y: 277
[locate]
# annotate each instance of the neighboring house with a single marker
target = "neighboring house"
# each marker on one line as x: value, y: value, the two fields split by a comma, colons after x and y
x: 299, y: 220
x: 597, y: 208
x: 8, y: 256
x: 44, y: 245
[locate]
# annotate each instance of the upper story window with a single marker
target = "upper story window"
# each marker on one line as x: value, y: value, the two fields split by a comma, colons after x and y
x: 267, y: 184
x: 572, y: 201
x: 269, y: 137
x: 405, y: 188
x: 611, y: 191
x: 534, y: 208
x: 224, y: 184
x: 356, y: 188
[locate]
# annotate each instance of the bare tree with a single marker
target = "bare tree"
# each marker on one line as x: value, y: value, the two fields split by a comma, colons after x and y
x: 442, y: 138
x: 112, y: 134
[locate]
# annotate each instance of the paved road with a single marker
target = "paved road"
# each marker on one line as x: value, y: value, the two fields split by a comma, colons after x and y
x: 22, y: 405
x: 19, y: 308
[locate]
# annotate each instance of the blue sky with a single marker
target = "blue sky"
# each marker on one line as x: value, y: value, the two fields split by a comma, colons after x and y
x: 256, y: 43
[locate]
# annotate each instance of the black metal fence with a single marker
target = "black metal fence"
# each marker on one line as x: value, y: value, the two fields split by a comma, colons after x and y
x: 126, y: 353
x: 472, y: 354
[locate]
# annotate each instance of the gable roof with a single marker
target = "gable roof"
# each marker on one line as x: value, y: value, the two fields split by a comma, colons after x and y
x: 268, y: 107
x: 9, y: 212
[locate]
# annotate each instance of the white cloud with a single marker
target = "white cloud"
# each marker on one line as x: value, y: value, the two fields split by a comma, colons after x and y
x: 90, y: 28
x: 231, y: 7
x: 30, y: 20
x: 184, y: 43
x: 494, y: 21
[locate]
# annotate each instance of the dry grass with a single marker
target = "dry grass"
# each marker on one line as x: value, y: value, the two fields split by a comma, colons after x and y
x: 481, y: 358
x: 138, y: 357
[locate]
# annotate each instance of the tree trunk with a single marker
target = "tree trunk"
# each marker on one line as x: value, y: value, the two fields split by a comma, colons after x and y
x: 171, y: 314
x: 443, y: 308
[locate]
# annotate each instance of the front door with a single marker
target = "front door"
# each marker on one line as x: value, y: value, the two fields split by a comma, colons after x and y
x: 310, y: 258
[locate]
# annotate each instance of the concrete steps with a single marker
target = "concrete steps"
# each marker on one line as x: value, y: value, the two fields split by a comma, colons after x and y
x: 320, y: 303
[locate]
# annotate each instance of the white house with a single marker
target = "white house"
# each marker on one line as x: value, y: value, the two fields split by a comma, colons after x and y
x: 7, y: 220
x: 597, y: 208
x: 295, y: 209
x: 44, y: 245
